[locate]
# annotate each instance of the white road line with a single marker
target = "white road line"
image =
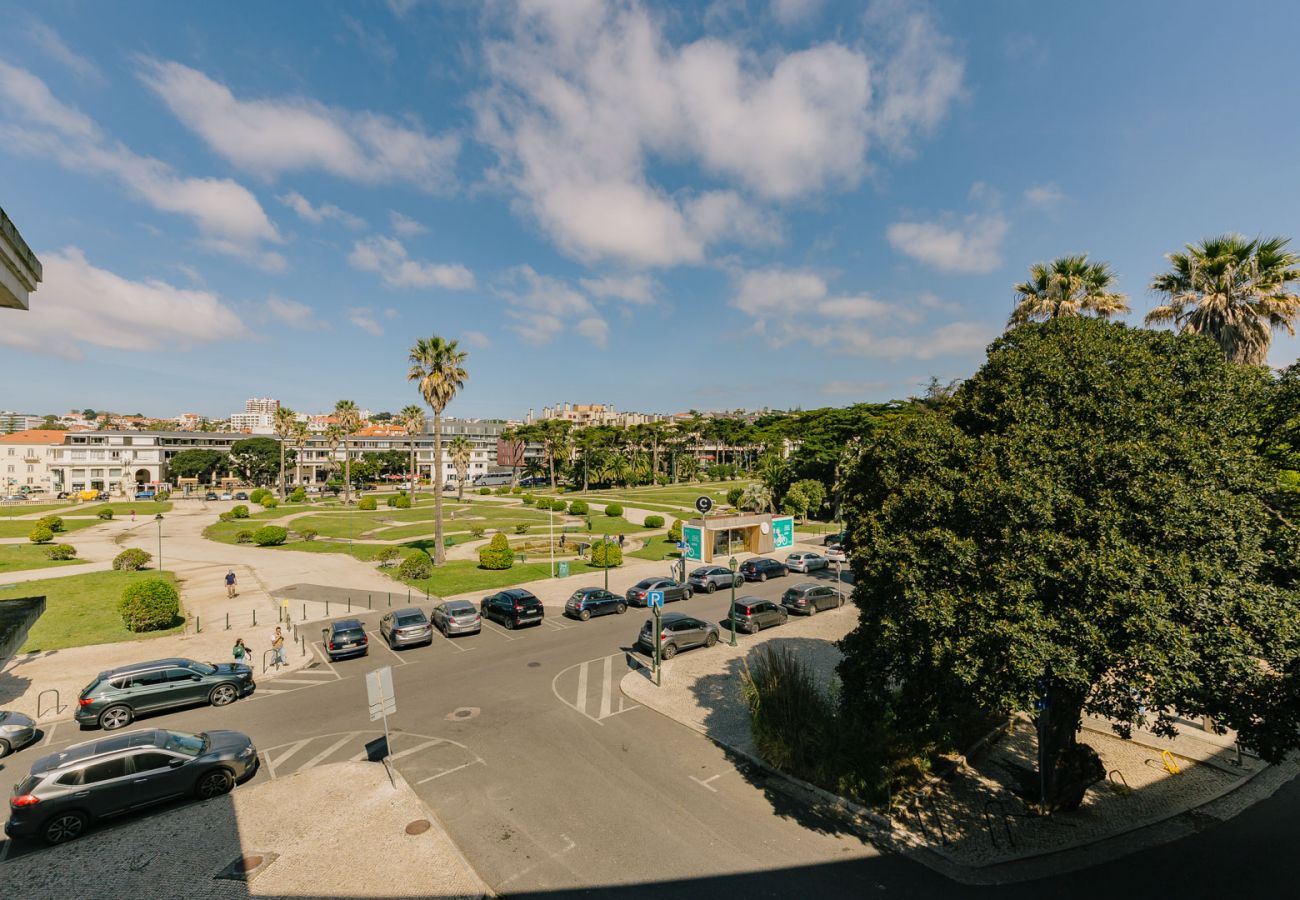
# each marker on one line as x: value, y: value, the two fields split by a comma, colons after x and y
x: 288, y: 753
x: 416, y: 749
x: 452, y: 642
x: 581, y: 705
x: 296, y: 681
x: 558, y: 626
x: 499, y: 630
x: 325, y: 658
x: 705, y: 782
x: 48, y: 736
x: 449, y: 771
x: 383, y: 643
x: 605, y: 686
x: 266, y: 760
x: 326, y: 752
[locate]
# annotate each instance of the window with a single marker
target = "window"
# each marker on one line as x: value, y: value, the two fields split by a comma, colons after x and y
x: 151, y: 761
x: 72, y: 778
x: 105, y: 771
x: 175, y: 675
x: 149, y: 679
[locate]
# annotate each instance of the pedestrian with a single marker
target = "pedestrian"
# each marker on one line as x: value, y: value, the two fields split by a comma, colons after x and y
x: 277, y: 644
x: 561, y: 542
x: 230, y: 584
x: 620, y: 541
x: 240, y: 651
x: 133, y: 514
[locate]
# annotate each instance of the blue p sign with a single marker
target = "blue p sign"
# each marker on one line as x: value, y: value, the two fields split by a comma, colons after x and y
x: 654, y: 598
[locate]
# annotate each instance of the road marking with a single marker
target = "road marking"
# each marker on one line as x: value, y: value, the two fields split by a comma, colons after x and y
x: 451, y: 641
x: 499, y: 630
x: 49, y: 735
x: 325, y: 658
x: 705, y: 782
x: 449, y: 771
x: 416, y: 749
x: 383, y: 643
x: 286, y: 754
x: 558, y: 626
x: 295, y: 681
x: 606, y: 686
x: 326, y: 752
x: 579, y: 696
x: 582, y: 689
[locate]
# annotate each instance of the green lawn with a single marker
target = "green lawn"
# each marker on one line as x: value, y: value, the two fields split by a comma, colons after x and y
x: 22, y: 509
x: 674, y: 511
x: 17, y: 557
x: 461, y: 576
x: 658, y: 548
x: 142, y: 508
x: 23, y: 527
x: 81, y: 610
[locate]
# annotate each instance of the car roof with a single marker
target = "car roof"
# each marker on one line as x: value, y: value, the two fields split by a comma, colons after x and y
x: 676, y: 617
x: 154, y: 737
x: 517, y: 593
x: 144, y: 666
x: 590, y: 590
x: 408, y: 611
x: 808, y: 585
x: 459, y: 604
x: 340, y: 624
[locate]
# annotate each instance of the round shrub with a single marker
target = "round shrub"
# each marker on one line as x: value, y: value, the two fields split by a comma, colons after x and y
x: 308, y: 534
x: 244, y: 537
x: 614, y: 509
x: 54, y: 523
x: 578, y: 507
x: 367, y: 503
x: 502, y: 491
x: 258, y: 495
x: 239, y: 512
x: 654, y: 521
x: 62, y: 551
x: 606, y: 555
x: 388, y: 556
x: 477, y: 530
x: 675, y: 533
x: 497, y: 554
x: 485, y: 491
x: 131, y: 560
x: 298, y: 496
x: 161, y: 496
x: 149, y: 605
x: 390, y: 500
x: 416, y: 567
x: 225, y: 517
x: 516, y: 490
x: 105, y: 514
x: 270, y: 536
x: 270, y: 503
x: 733, y: 496
x: 521, y: 528
x: 559, y: 505
x: 402, y: 502
x: 529, y: 499
x: 40, y: 535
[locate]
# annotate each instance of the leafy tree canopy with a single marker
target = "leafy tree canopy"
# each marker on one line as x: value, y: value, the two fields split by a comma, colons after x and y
x: 257, y: 459
x: 201, y: 464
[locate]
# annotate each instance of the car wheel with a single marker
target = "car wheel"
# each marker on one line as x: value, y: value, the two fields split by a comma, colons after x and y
x: 762, y: 576
x: 689, y: 593
x: 223, y: 695
x: 510, y: 624
x: 710, y: 640
x: 214, y: 784
x: 812, y: 608
x: 620, y: 609
x: 711, y: 588
x: 5, y: 749
x: 785, y: 617
x: 668, y: 652
x: 115, y: 717
x: 64, y: 827
x: 584, y: 615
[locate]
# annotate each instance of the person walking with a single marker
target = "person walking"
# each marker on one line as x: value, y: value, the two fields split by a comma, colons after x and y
x: 230, y: 584
x: 133, y: 514
x: 240, y: 651
x: 561, y: 542
x: 277, y: 644
x: 621, y: 539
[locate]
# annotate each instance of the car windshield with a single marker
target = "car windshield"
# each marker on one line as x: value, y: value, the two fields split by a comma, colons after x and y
x: 188, y: 744
x: 645, y: 583
x: 349, y: 634
x: 203, y: 668
x: 460, y: 609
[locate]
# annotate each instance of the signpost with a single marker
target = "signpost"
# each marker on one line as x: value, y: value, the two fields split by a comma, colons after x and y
x: 732, y: 565
x: 655, y: 600
x: 703, y: 504
x: 380, y: 697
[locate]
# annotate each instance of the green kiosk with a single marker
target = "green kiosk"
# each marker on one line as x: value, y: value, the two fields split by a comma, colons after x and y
x: 719, y: 537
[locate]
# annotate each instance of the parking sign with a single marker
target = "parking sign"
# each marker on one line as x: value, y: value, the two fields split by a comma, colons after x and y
x: 654, y: 598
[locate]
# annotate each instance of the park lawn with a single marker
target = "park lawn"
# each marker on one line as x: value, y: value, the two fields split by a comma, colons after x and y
x: 675, y: 511
x: 18, y: 557
x: 82, y: 609
x: 23, y: 527
x: 148, y: 508
x: 658, y: 548
x: 462, y: 575
x: 23, y: 509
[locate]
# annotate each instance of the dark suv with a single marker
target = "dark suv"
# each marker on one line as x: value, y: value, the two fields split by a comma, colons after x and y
x: 761, y: 569
x: 344, y: 638
x: 754, y: 614
x: 118, y: 696
x: 809, y: 597
x: 513, y: 608
x: 68, y: 790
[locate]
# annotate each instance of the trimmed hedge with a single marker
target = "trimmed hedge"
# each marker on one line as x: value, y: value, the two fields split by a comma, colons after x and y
x: 149, y: 605
x: 367, y: 503
x: 258, y: 495
x: 614, y: 510
x: 402, y: 502
x: 298, y: 495
x: 503, y: 491
x: 497, y: 554
x: 160, y: 496
x: 521, y: 528
x: 388, y: 556
x: 529, y: 499
x: 606, y: 555
x: 54, y: 523
x: 270, y: 503
x: 105, y: 514
x: 654, y: 521
x: 675, y: 533
x: 62, y: 551
x: 485, y: 491
x: 131, y: 560
x: 40, y: 535
x: 270, y: 536
x: 416, y: 567
x: 308, y: 534
x: 578, y: 507
x: 477, y: 530
x: 239, y: 512
x: 733, y: 496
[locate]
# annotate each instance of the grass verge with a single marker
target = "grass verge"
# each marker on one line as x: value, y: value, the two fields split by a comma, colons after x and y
x: 20, y: 557
x: 81, y: 610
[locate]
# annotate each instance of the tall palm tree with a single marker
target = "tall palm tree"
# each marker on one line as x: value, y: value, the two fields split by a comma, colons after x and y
x: 1067, y: 286
x: 412, y: 421
x: 436, y: 367
x: 756, y: 497
x: 299, y: 437
x: 348, y: 418
x: 283, y: 422
x: 461, y: 452
x: 333, y: 436
x: 1233, y: 290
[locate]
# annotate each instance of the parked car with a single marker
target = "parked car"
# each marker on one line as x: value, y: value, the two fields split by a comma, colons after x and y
x: 103, y: 495
x: 449, y: 486
x: 210, y: 495
x: 118, y: 696
x: 66, y: 792
x: 139, y: 495
x: 833, y: 540
x: 761, y: 569
x: 345, y: 637
x: 593, y: 601
x: 457, y: 617
x: 241, y: 496
x: 513, y: 608
x: 637, y: 594
x: 753, y: 614
x: 61, y: 495
x: 16, y: 732
x: 805, y: 561
x: 226, y: 495
x: 836, y: 555
x: 678, y: 631
x: 404, y: 627
x: 15, y: 498
x: 534, y: 481
x: 710, y: 578
x: 809, y: 597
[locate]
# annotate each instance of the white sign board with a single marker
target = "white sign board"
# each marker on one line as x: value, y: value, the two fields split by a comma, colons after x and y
x: 379, y: 693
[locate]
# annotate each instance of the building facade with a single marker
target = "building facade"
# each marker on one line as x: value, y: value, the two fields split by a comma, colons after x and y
x: 581, y: 414
x: 20, y: 270
x: 13, y: 421
x: 26, y: 461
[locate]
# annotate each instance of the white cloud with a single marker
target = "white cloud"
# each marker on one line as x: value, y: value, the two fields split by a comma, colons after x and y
x: 294, y: 314
x: 862, y: 307
x: 792, y: 12
x: 364, y: 318
x: 405, y: 225
x: 270, y: 137
x: 400, y: 8
x: 318, y: 214
x: 373, y: 42
x: 475, y: 339
x: 542, y: 307
x: 23, y: 93
x: 49, y: 43
x: 1044, y: 196
x: 639, y: 290
x: 778, y: 292
x: 973, y: 246
x: 596, y: 330
x: 387, y: 257
x: 390, y: 313
x: 85, y: 305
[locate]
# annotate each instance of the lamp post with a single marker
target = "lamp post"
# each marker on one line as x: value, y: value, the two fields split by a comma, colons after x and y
x: 550, y: 517
x: 732, y: 565
x: 158, y: 518
x: 604, y: 539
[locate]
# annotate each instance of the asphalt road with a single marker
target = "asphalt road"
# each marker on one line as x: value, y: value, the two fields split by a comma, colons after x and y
x: 552, y: 783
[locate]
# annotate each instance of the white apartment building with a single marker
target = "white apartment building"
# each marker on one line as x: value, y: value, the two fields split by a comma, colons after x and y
x: 583, y: 414
x: 261, y: 405
x: 26, y: 459
x: 13, y: 421
x: 254, y: 423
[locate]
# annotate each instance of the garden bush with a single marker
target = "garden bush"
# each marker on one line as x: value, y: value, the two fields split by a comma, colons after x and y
x: 367, y: 503
x: 497, y: 554
x: 390, y: 500
x: 477, y: 530
x: 792, y: 718
x: 521, y: 528
x: 484, y: 491
x: 149, y: 605
x: 675, y: 533
x: 402, y: 502
x: 239, y: 512
x: 270, y: 503
x: 225, y: 517
x: 41, y: 534
x: 62, y: 551
x: 503, y: 490
x: 416, y: 567
x: 270, y: 536
x: 388, y: 556
x: 516, y: 490
x: 298, y: 495
x: 578, y: 507
x: 258, y: 495
x: 734, y: 495
x: 654, y: 521
x: 559, y: 505
x: 529, y: 499
x: 308, y: 534
x: 606, y: 555
x: 614, y: 509
x: 131, y: 560
x: 161, y: 496
x: 105, y: 514
x: 54, y: 523
x: 244, y: 537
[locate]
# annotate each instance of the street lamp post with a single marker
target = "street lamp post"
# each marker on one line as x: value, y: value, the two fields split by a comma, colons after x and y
x: 158, y: 518
x: 550, y: 517
x: 604, y: 539
x: 732, y: 565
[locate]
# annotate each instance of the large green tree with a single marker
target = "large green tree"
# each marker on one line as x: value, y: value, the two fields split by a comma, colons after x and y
x: 437, y: 368
x: 256, y: 459
x: 204, y: 465
x: 1081, y: 529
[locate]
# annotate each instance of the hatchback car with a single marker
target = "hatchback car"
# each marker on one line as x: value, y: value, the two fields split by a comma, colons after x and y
x: 457, y: 617
x: 16, y: 732
x: 710, y: 578
x: 677, y: 631
x: 836, y: 555
x: 808, y: 598
x: 513, y: 608
x: 753, y: 614
x: 344, y: 638
x: 210, y: 495
x: 241, y: 496
x: 638, y: 594
x: 593, y: 601
x: 67, y: 791
x: 805, y: 561
x: 116, y: 697
x: 226, y: 495
x: 833, y: 540
x: 761, y: 569
x: 404, y: 627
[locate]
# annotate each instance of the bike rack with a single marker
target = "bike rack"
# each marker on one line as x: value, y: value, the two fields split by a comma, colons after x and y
x: 265, y: 654
x: 1121, y: 786
x: 921, y: 803
x: 1006, y: 823
x: 58, y: 706
x: 1171, y: 766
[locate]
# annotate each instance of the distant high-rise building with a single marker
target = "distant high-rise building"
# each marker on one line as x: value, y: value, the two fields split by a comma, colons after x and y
x: 261, y: 405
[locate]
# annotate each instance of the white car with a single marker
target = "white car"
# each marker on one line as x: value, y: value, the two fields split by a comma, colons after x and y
x: 836, y: 555
x: 805, y: 561
x: 227, y: 496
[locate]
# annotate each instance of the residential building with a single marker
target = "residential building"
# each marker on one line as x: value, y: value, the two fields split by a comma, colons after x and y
x: 191, y: 421
x: 595, y: 414
x: 253, y: 423
x: 20, y: 270
x: 26, y: 461
x: 261, y: 405
x: 12, y: 421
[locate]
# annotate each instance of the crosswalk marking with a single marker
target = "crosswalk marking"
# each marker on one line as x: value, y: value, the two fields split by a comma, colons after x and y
x: 422, y: 756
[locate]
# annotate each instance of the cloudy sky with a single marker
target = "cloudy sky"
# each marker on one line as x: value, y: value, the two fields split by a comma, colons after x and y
x: 661, y: 206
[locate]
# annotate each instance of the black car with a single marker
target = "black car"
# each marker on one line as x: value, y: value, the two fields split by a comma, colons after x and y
x: 241, y: 496
x: 120, y: 695
x: 761, y: 569
x: 593, y: 601
x: 513, y: 608
x: 833, y: 540
x: 344, y: 638
x: 809, y: 597
x: 534, y: 481
x: 639, y: 593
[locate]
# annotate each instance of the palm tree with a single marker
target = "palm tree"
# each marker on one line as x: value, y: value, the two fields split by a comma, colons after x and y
x: 620, y: 469
x: 1067, y: 286
x: 348, y: 418
x: 411, y: 419
x: 299, y: 437
x: 756, y: 497
x: 1233, y: 290
x: 461, y: 451
x: 284, y: 421
x: 436, y: 368
x: 333, y: 436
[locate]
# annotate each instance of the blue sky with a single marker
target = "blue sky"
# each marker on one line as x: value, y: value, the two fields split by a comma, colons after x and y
x: 663, y: 207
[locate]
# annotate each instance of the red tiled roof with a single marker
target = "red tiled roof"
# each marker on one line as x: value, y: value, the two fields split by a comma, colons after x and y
x: 34, y: 436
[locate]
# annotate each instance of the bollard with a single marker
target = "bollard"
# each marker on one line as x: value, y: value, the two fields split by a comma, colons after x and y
x: 368, y: 606
x: 390, y: 598
x: 198, y: 624
x: 254, y: 616
x: 227, y: 621
x: 349, y: 604
x: 304, y: 612
x: 327, y: 608
x: 408, y: 596
x: 302, y: 640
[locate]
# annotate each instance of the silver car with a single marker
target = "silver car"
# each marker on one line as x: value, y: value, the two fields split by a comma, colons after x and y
x: 404, y: 627
x: 677, y: 632
x: 710, y: 578
x: 457, y: 617
x: 16, y: 732
x: 805, y: 561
